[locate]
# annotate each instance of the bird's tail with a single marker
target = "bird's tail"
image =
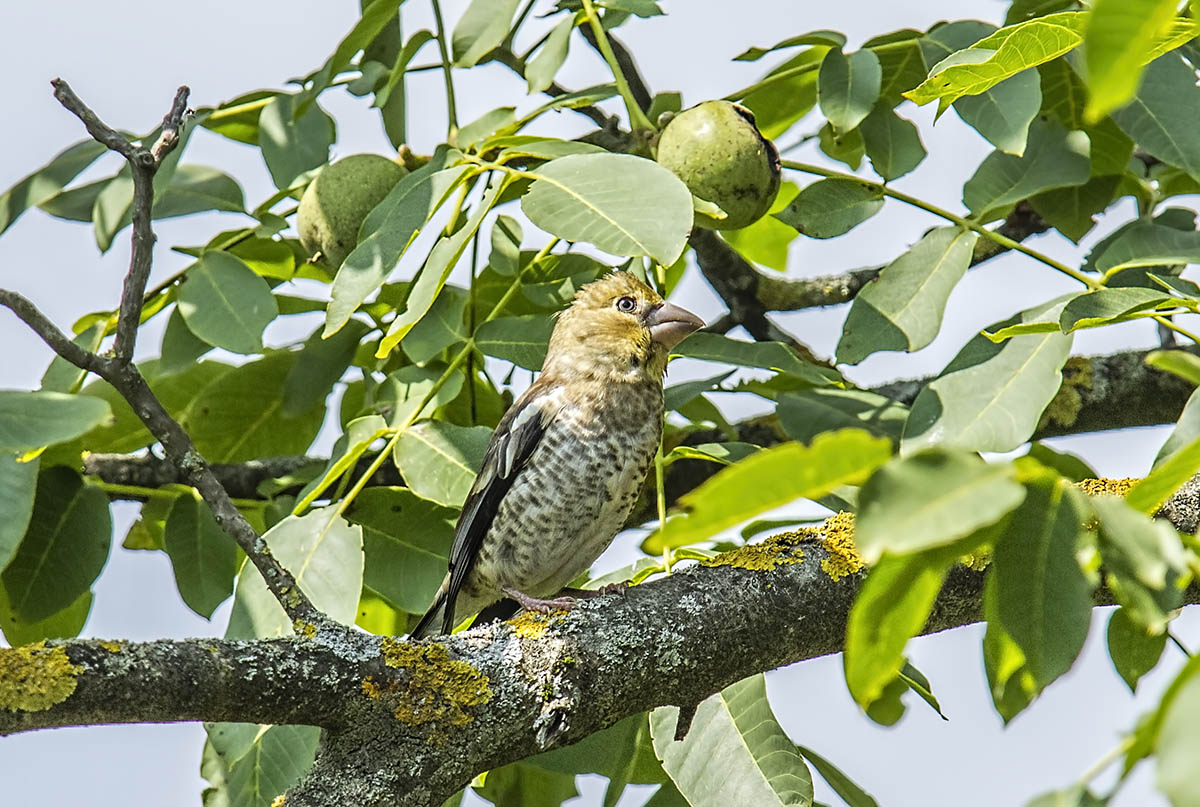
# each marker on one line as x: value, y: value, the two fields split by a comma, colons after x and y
x: 431, y: 623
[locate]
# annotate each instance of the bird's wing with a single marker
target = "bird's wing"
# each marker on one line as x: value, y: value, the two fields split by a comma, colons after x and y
x: 516, y: 438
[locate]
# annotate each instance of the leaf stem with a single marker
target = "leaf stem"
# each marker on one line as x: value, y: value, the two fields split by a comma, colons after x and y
x: 961, y: 221
x: 169, y: 492
x: 1169, y: 325
x: 1106, y: 760
x: 451, y: 106
x: 782, y: 75
x: 637, y: 117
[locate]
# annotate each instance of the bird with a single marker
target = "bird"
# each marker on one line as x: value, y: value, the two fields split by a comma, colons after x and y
x: 567, y: 461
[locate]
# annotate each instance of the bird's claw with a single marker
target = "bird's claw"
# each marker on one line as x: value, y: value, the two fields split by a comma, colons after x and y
x: 537, y: 604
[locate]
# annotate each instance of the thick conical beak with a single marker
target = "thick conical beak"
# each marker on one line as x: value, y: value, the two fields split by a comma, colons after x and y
x: 670, y: 324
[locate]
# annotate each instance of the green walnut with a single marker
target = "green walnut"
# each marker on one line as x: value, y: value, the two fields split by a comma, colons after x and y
x: 718, y: 152
x: 336, y: 202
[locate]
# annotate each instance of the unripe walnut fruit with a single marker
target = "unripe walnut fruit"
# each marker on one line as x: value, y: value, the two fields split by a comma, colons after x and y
x: 336, y: 202
x: 718, y: 152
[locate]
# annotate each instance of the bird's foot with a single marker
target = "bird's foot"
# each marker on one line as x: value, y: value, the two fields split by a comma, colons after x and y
x: 536, y: 604
x: 592, y: 593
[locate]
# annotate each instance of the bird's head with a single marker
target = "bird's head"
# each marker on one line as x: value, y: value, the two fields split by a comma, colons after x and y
x: 617, y: 329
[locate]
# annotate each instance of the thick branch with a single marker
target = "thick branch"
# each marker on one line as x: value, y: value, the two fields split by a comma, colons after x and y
x: 410, y: 723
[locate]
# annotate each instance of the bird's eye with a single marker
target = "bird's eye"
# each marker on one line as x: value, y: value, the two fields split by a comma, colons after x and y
x: 626, y: 304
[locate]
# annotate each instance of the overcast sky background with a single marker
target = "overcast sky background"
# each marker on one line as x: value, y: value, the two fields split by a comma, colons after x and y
x: 125, y: 58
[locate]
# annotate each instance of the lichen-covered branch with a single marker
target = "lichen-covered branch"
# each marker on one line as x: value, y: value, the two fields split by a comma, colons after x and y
x: 410, y: 723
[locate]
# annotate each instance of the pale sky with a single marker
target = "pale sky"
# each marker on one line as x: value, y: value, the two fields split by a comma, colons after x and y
x: 126, y: 57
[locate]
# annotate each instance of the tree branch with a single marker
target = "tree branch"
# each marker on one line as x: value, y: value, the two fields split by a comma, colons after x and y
x: 410, y: 723
x: 120, y: 371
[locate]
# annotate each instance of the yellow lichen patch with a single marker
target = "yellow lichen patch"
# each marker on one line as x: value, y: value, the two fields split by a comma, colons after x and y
x: 370, y: 688
x: 1106, y: 487
x: 837, y: 537
x: 439, y: 689
x: 110, y: 645
x: 35, y: 677
x: 279, y: 801
x: 1065, y: 405
x: 305, y: 630
x: 778, y: 550
x: 533, y: 625
x: 977, y: 561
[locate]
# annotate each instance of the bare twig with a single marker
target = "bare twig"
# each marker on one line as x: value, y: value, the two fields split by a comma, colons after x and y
x: 120, y: 371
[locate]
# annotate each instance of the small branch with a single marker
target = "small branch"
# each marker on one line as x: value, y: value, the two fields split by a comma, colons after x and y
x: 516, y: 63
x: 447, y: 75
x: 100, y: 131
x: 28, y: 313
x: 120, y: 371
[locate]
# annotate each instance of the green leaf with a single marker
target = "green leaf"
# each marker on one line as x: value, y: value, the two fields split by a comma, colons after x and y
x: 506, y: 245
x: 386, y: 233
x: 1134, y: 650
x: 621, y: 204
x: 846, y: 147
x: 679, y: 395
x: 406, y: 540
x: 64, y: 549
x: 65, y: 624
x: 1053, y: 158
x: 902, y: 309
x: 1177, y: 362
x: 847, y: 790
x: 18, y: 483
x: 768, y: 479
x: 1147, y: 244
x: 1103, y: 306
x: 831, y: 207
x: 1117, y: 39
x: 239, y: 416
x: 1068, y: 465
x: 1175, y: 743
x: 930, y: 500
x: 1159, y: 119
x: 833, y: 39
x: 759, y: 764
x: 521, y: 340
x: 774, y: 356
x: 541, y: 69
x: 767, y: 240
x: 1011, y: 683
x: 481, y: 28
x: 1071, y: 210
x: 551, y: 281
x: 990, y: 396
x: 112, y: 209
x: 1149, y: 494
x: 266, y: 257
x: 180, y: 347
x: 439, y: 460
x: 46, y: 182
x: 292, y: 144
x: 279, y: 756
x: 848, y: 86
x: 61, y: 375
x: 394, y: 83
x: 196, y: 188
x: 527, y: 785
x: 901, y: 61
x: 441, y: 261
x: 350, y: 446
x: 203, y: 557
x: 782, y: 102
x: 30, y: 420
x: 1043, y: 598
x: 1186, y: 431
x: 722, y: 453
x: 996, y: 57
x: 892, y: 143
x: 1143, y: 558
x: 1003, y: 113
x: 224, y: 303
x: 402, y: 392
x: 319, y: 365
x: 442, y: 327
x: 892, y: 606
x: 806, y: 413
x: 486, y: 125
x: 324, y: 553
